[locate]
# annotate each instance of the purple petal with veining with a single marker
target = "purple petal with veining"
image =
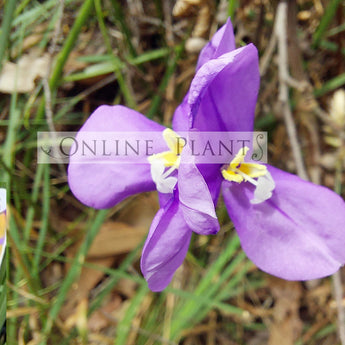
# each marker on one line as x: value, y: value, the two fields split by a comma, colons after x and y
x: 298, y: 234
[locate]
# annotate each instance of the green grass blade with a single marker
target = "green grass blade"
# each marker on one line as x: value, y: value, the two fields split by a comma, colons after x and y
x: 45, y: 220
x: 125, y: 90
x: 120, y: 17
x: 172, y: 63
x: 331, y: 85
x: 105, y: 64
x: 232, y: 6
x: 72, y: 274
x: 325, y: 21
x: 124, y: 326
x: 115, y: 275
x: 10, y: 7
x: 8, y: 152
x: 62, y: 57
x: 208, y: 287
x: 69, y: 45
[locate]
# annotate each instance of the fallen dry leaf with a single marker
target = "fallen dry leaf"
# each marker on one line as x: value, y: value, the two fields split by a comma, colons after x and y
x: 20, y: 77
x: 116, y: 238
x: 81, y: 289
x: 140, y: 211
x: 79, y: 317
x: 98, y: 320
x: 286, y: 325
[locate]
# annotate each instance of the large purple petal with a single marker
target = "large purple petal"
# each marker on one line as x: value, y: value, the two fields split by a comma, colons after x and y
x: 180, y: 121
x: 223, y: 41
x: 223, y: 93
x: 298, y: 234
x: 197, y: 204
x: 166, y: 246
x: 104, y: 182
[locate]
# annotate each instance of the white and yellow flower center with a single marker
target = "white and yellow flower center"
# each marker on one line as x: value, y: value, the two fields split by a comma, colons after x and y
x: 257, y: 174
x: 165, y: 183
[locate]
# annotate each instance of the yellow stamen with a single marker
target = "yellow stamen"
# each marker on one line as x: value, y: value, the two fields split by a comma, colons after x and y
x: 175, y: 143
x: 257, y: 174
x: 239, y: 171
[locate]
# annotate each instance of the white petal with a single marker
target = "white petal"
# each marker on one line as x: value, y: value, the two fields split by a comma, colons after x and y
x: 166, y: 185
x: 157, y: 170
x: 163, y: 185
x: 263, y: 191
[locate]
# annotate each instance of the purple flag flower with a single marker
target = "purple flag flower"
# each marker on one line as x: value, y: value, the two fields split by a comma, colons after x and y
x: 188, y: 193
x: 288, y: 227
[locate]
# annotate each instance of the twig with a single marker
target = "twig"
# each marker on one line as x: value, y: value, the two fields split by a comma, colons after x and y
x: 284, y: 81
x: 136, y: 11
x: 338, y: 293
x: 48, y: 105
x: 57, y: 29
x: 337, y: 285
x: 169, y: 34
x: 280, y: 36
x: 266, y: 58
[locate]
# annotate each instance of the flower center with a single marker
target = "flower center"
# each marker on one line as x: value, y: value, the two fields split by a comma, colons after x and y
x: 164, y: 164
x: 257, y: 174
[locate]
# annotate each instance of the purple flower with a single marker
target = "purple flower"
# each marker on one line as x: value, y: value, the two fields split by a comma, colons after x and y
x: 288, y: 227
x: 188, y: 193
